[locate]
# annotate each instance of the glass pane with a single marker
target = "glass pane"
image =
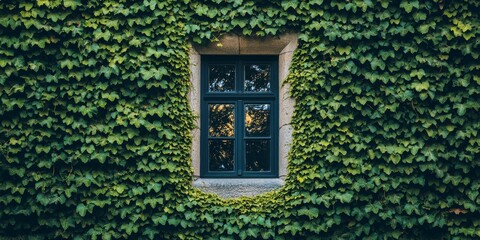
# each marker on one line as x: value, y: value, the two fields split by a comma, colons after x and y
x: 257, y: 120
x: 221, y: 78
x: 221, y: 120
x: 220, y: 155
x: 257, y: 155
x: 257, y: 78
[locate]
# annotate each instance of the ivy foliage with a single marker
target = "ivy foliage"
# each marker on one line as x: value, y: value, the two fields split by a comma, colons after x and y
x: 95, y: 121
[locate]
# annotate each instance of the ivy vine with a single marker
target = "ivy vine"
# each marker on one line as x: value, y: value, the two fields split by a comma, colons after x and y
x: 95, y: 120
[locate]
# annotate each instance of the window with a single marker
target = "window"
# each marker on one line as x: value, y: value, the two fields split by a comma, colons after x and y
x: 239, y: 116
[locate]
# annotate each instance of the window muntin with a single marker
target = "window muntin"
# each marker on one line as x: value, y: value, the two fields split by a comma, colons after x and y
x: 240, y: 114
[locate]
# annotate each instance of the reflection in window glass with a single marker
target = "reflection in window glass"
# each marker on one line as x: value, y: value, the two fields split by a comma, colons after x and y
x: 257, y: 155
x: 220, y: 155
x: 221, y: 78
x: 257, y: 120
x: 221, y: 120
x: 257, y: 78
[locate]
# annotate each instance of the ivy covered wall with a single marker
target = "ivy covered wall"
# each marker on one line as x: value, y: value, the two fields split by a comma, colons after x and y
x: 95, y: 123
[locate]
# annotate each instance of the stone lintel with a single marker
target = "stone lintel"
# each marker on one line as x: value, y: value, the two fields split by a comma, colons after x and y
x: 232, y: 44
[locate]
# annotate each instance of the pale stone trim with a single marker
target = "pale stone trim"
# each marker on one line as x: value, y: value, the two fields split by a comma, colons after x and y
x: 194, y: 97
x: 241, y: 187
x: 232, y: 44
x: 284, y: 46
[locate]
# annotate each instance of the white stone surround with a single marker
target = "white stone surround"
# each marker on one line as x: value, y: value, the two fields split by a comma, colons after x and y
x: 283, y: 46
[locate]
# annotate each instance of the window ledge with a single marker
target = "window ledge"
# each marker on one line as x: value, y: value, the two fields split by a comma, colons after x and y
x: 238, y: 187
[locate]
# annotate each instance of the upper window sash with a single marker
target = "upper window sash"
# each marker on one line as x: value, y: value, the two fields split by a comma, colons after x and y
x: 218, y: 83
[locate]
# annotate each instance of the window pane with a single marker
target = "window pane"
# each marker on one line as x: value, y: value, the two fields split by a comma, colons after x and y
x: 257, y: 78
x: 220, y: 155
x: 257, y: 120
x: 221, y: 78
x: 257, y: 155
x: 221, y: 120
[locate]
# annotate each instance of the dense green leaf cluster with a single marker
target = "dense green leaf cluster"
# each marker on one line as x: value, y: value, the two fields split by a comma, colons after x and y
x: 95, y: 121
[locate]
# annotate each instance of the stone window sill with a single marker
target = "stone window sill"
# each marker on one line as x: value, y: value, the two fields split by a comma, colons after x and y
x: 238, y: 187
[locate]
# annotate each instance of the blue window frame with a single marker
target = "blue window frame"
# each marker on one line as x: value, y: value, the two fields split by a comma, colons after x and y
x: 239, y: 116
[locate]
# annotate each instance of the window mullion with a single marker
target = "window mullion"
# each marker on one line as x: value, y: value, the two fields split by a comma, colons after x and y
x: 239, y: 139
x: 239, y: 120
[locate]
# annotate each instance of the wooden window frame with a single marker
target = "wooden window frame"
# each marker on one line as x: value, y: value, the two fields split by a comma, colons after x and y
x: 240, y: 98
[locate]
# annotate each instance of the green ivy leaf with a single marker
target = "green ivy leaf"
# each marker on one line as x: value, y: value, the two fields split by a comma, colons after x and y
x: 343, y: 50
x: 81, y: 209
x: 418, y: 73
x: 289, y: 4
x: 43, y: 2
x: 377, y: 63
x: 344, y: 197
x: 157, y: 219
x: 461, y: 109
x: 408, y: 5
x: 420, y: 86
x: 72, y: 3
